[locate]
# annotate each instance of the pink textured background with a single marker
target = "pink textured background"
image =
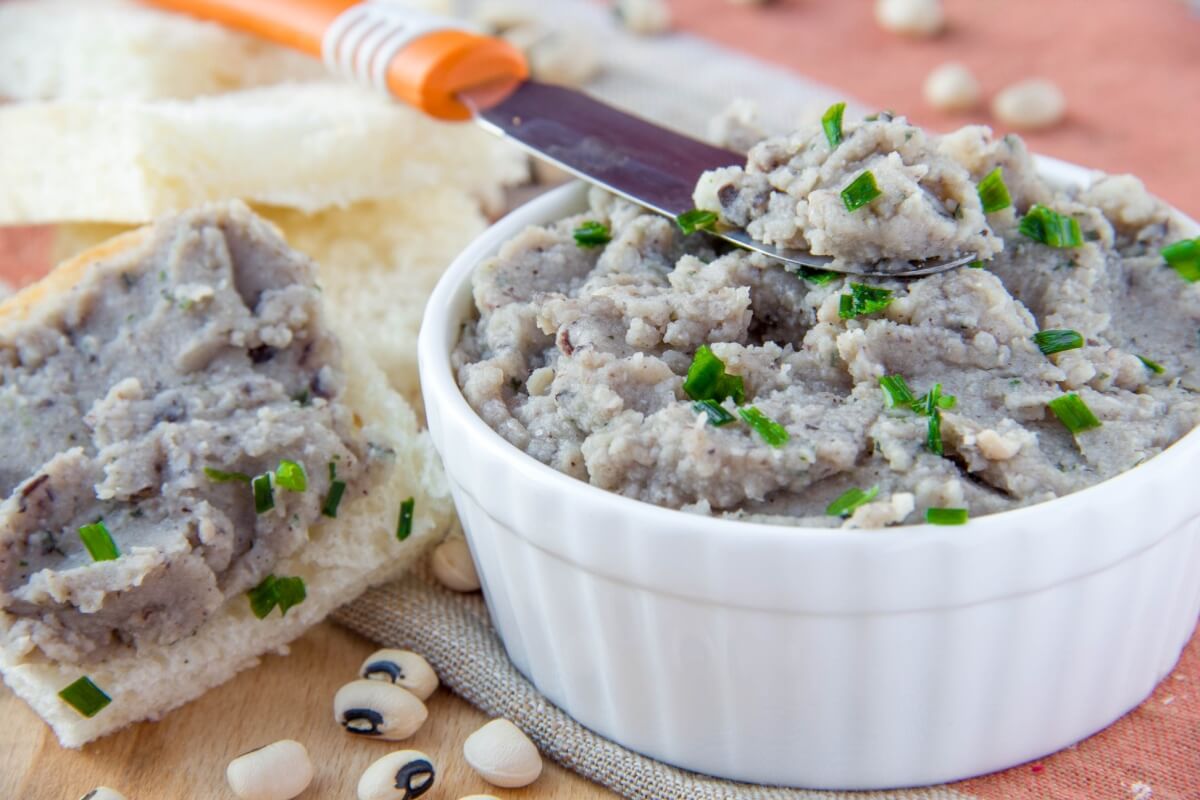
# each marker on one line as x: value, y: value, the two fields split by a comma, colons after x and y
x: 1130, y: 69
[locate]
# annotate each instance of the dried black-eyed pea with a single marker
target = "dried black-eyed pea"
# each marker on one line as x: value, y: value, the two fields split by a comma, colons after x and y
x: 503, y: 755
x: 403, y: 668
x: 453, y: 567
x: 378, y: 709
x: 279, y: 771
x: 480, y: 797
x: 103, y: 793
x: 404, y: 775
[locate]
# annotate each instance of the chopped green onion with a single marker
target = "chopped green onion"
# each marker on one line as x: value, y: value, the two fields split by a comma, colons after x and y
x: 1051, y: 228
x: 933, y: 435
x: 98, y: 541
x: 832, y: 123
x: 283, y: 592
x: 993, y: 193
x: 817, y: 277
x: 220, y: 476
x: 302, y: 397
x: 1055, y: 341
x: 717, y: 415
x: 861, y: 191
x: 771, y: 431
x: 946, y: 516
x: 1153, y: 366
x: 404, y: 527
x: 1073, y: 413
x: 336, y: 490
x: 976, y: 265
x: 696, y: 220
x: 85, y: 697
x: 290, y: 592
x: 1184, y: 256
x: 264, y: 497
x: 708, y: 380
x: 291, y: 476
x: 850, y: 500
x: 592, y: 234
x: 863, y: 299
x: 896, y: 393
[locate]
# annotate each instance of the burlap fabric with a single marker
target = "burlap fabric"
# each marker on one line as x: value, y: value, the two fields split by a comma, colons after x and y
x: 454, y: 633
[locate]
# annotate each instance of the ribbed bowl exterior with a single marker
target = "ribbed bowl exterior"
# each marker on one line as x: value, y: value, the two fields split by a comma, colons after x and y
x: 817, y: 658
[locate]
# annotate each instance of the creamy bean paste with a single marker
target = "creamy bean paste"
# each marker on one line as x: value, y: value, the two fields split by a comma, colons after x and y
x: 578, y: 354
x: 202, y: 347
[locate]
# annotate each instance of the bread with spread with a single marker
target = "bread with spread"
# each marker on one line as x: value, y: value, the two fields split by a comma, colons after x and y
x: 200, y: 462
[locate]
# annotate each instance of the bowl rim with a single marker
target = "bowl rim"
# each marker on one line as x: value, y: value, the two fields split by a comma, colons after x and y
x: 441, y: 327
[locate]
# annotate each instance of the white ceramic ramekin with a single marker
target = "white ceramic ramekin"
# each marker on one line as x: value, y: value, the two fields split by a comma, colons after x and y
x: 817, y: 658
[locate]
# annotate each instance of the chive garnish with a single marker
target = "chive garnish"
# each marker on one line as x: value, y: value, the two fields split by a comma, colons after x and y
x: 708, y: 380
x: 849, y: 500
x: 85, y: 697
x: 861, y: 191
x: 1056, y: 341
x: 264, y: 496
x: 99, y: 541
x: 993, y: 192
x: 273, y: 591
x: 716, y: 413
x: 1184, y: 257
x: 771, y: 431
x: 1073, y: 413
x: 832, y: 123
x: 336, y: 490
x: 291, y: 476
x: 863, y: 299
x: 405, y: 525
x: 1051, y: 228
x: 946, y: 516
x: 696, y: 220
x: 592, y: 234
x: 1153, y: 366
x: 221, y: 476
x: 896, y: 393
x: 817, y: 277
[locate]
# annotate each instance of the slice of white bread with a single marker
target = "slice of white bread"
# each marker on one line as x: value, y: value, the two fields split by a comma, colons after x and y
x: 60, y: 49
x: 380, y: 258
x: 302, y: 146
x: 103, y: 49
x: 342, y: 558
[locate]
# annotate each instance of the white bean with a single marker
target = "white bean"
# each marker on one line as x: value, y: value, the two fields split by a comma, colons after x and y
x: 1030, y: 105
x: 103, y: 793
x: 503, y: 755
x: 403, y: 668
x: 379, y: 710
x: 644, y: 17
x: 498, y: 16
x: 403, y: 775
x: 279, y: 771
x: 952, y: 87
x: 910, y: 17
x: 480, y: 797
x: 452, y: 566
x: 564, y: 57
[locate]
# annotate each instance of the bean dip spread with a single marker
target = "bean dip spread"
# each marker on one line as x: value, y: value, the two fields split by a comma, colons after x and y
x: 676, y: 370
x: 145, y: 409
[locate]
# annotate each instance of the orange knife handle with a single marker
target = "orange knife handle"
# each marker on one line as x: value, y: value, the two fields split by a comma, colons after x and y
x: 422, y: 59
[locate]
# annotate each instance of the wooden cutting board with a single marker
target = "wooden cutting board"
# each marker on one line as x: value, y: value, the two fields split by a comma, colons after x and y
x: 183, y: 756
